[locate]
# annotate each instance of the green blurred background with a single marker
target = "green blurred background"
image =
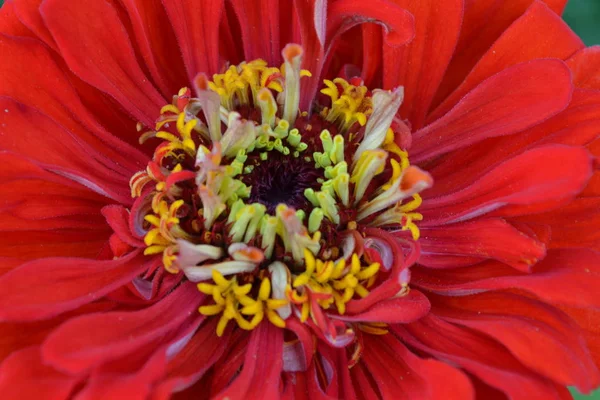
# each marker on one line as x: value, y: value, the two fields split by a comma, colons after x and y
x: 584, y: 18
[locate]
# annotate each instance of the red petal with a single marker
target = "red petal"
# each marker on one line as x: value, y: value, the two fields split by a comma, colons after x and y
x: 483, y: 22
x: 295, y: 387
x: 28, y: 12
x: 24, y: 376
x: 196, y: 27
x: 259, y: 24
x: 201, y: 352
x: 96, y: 47
x: 543, y: 338
x: 118, y: 219
x: 576, y: 125
x: 478, y: 355
x: 372, y: 41
x: 47, y: 287
x: 526, y: 183
x: 539, y: 33
x: 31, y: 245
x: 490, y: 238
x: 23, y: 208
x: 589, y: 322
x: 15, y: 336
x: 136, y: 385
x: 261, y: 373
x: 508, y: 102
x: 328, y: 377
x: 87, y: 341
x: 570, y: 277
x: 155, y: 41
x: 400, y: 310
x: 312, y: 15
x: 305, y: 338
x: 573, y: 225
x: 230, y: 364
x: 30, y: 76
x: 33, y: 226
x: 398, y: 23
x: 10, y: 24
x: 364, y: 385
x: 36, y: 137
x: 400, y: 374
x: 586, y: 66
x: 420, y: 65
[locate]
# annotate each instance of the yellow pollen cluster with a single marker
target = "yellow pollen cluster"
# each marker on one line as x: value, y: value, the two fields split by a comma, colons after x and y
x: 234, y: 85
x: 165, y: 231
x: 233, y: 302
x: 348, y: 105
x: 331, y: 283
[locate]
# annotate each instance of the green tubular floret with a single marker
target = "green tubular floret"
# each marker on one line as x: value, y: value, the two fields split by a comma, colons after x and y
x: 314, y: 220
x: 294, y: 137
x: 311, y: 196
x: 282, y: 128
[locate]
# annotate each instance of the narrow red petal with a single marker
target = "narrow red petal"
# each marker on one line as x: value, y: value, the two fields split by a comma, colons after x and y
x: 25, y: 376
x: 512, y: 100
x: 60, y: 151
x: 576, y: 126
x: 586, y: 66
x: 400, y: 310
x: 196, y: 26
x: 570, y: 277
x: 539, y: 33
x: 96, y: 47
x: 30, y: 75
x: 156, y: 42
x: 478, y: 355
x: 542, y: 337
x: 526, y: 183
x: 420, y: 65
x: 574, y: 225
x: 87, y: 341
x: 398, y: 23
x: 483, y: 238
x: 118, y: 219
x: 259, y: 23
x: 24, y: 293
x: 312, y: 15
x: 194, y: 360
x: 261, y: 375
x: 131, y: 378
x: 483, y: 23
x: 372, y: 41
x: 401, y: 374
x: 10, y: 24
x: 28, y: 12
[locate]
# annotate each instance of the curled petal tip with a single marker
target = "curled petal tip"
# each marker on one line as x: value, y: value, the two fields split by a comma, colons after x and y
x: 415, y: 180
x: 292, y: 51
x: 201, y: 82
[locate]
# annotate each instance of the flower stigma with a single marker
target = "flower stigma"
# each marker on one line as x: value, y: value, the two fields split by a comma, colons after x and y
x: 266, y: 206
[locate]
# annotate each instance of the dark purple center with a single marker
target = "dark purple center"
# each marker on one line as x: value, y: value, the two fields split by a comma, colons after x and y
x: 282, y: 179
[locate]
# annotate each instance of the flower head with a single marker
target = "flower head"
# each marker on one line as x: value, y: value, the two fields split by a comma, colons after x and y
x: 268, y: 207
x: 265, y: 199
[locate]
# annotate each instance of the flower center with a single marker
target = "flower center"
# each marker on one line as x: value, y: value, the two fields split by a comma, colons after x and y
x: 282, y: 179
x: 268, y: 207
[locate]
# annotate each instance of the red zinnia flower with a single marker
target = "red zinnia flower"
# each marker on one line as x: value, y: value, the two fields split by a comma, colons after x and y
x: 236, y: 199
